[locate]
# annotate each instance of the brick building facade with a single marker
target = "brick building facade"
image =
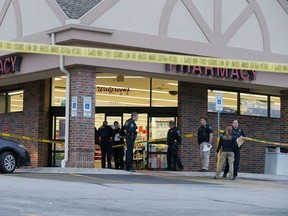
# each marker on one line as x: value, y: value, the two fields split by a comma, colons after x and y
x: 192, y: 105
x: 246, y: 30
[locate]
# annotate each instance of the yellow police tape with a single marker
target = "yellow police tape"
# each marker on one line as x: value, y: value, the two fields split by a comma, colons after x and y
x: 150, y: 57
x: 137, y: 142
x: 29, y: 138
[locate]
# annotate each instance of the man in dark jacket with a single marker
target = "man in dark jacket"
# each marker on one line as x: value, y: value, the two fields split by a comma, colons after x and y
x: 105, y: 135
x: 118, y: 146
x: 173, y: 141
x: 205, y: 137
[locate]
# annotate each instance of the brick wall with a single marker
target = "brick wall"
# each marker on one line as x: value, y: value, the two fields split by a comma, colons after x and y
x: 192, y: 104
x: 33, y: 121
x: 81, y: 138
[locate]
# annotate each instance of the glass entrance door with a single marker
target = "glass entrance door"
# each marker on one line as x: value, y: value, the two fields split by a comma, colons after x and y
x: 157, y: 150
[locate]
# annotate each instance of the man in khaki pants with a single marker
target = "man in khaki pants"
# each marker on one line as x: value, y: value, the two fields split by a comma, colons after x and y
x: 205, y: 137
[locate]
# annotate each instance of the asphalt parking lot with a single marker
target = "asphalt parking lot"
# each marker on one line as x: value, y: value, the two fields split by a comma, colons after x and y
x: 142, y: 193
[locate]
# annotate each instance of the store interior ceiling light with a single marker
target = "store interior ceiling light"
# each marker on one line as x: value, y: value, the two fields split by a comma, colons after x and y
x: 115, y: 77
x: 134, y: 97
x: 254, y: 96
x: 15, y: 93
x: 172, y: 84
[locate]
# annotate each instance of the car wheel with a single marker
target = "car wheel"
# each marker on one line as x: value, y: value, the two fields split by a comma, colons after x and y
x: 7, y: 162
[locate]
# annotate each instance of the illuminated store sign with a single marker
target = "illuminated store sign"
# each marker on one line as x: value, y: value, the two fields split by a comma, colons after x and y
x: 214, y: 72
x: 10, y: 64
x: 111, y: 90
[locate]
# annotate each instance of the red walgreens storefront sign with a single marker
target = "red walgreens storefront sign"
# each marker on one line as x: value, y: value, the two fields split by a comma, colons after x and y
x: 10, y: 64
x: 213, y: 72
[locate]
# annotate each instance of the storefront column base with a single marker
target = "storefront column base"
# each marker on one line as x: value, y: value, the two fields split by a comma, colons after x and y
x: 81, y: 158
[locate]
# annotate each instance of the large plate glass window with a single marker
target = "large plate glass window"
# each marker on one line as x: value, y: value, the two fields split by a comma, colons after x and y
x: 15, y: 101
x: 275, y: 107
x: 254, y: 105
x: 122, y: 90
x: 229, y: 101
x: 2, y: 102
x: 164, y: 93
x: 58, y: 91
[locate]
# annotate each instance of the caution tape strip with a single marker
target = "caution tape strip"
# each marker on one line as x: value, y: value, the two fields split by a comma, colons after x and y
x: 29, y: 138
x: 149, y: 57
x: 139, y: 142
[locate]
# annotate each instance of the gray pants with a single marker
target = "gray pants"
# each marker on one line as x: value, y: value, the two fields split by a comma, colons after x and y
x: 224, y: 156
x: 204, y: 156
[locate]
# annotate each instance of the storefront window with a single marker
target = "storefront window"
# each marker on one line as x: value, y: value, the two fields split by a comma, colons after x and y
x: 120, y: 90
x: 15, y: 101
x: 275, y: 107
x: 164, y: 93
x: 124, y: 91
x: 229, y: 101
x: 58, y: 91
x: 255, y: 105
x: 2, y: 102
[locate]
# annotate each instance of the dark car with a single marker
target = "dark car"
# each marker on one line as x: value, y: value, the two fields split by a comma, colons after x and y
x: 12, y: 156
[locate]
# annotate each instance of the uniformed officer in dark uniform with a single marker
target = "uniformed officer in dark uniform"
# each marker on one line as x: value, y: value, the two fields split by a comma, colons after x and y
x: 118, y: 140
x: 205, y: 136
x: 130, y: 128
x: 237, y: 133
x: 105, y: 134
x: 173, y: 141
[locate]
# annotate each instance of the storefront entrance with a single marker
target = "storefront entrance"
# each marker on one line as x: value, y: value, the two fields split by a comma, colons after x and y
x: 153, y: 123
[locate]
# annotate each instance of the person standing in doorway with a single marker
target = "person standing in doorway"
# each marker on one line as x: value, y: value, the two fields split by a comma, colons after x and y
x: 173, y: 141
x: 237, y: 133
x: 118, y: 148
x: 205, y: 137
x: 105, y: 135
x: 228, y: 144
x: 130, y: 128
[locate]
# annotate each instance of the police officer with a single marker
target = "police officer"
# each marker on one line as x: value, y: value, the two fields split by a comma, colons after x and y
x: 118, y: 140
x: 237, y: 133
x: 105, y: 134
x: 205, y: 137
x: 173, y: 142
x: 130, y: 128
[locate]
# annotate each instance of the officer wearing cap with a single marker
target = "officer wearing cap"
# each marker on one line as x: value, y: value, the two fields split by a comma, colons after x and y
x: 237, y: 132
x: 205, y: 137
x: 173, y: 141
x: 130, y: 128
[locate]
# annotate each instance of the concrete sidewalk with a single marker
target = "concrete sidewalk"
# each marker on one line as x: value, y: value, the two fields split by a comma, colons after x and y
x: 253, y: 176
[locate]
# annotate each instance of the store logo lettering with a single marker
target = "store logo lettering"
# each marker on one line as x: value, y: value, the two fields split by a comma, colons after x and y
x: 10, y: 64
x: 111, y: 90
x: 214, y: 72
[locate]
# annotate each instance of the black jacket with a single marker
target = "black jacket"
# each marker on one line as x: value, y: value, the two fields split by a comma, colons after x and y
x: 227, y: 145
x: 121, y: 133
x: 173, y: 136
x: 203, y: 134
x: 105, y: 133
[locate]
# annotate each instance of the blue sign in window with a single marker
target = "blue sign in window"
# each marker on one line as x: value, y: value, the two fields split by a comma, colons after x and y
x: 74, y: 105
x: 87, y: 106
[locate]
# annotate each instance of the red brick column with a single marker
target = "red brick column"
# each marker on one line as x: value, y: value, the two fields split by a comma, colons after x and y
x: 36, y: 120
x: 192, y: 104
x: 284, y: 117
x: 81, y: 135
